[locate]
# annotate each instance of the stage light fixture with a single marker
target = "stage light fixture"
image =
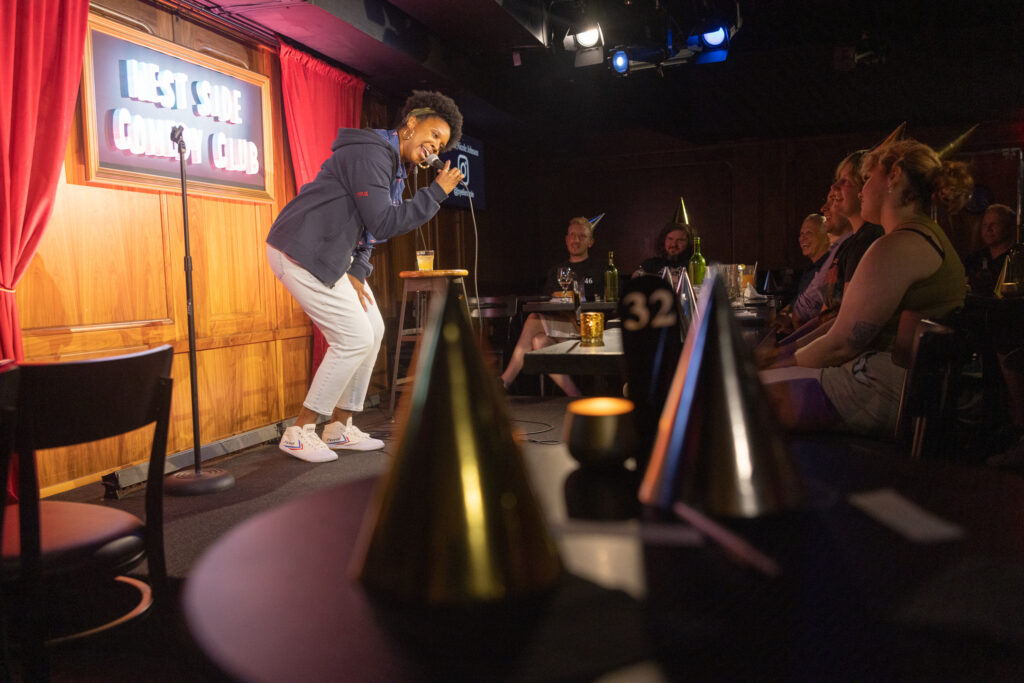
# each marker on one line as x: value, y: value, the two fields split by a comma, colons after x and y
x: 709, y: 39
x: 714, y: 37
x: 588, y: 44
x: 589, y: 37
x: 620, y: 62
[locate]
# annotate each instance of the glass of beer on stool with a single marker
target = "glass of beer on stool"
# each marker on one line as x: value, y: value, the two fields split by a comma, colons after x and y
x: 425, y: 259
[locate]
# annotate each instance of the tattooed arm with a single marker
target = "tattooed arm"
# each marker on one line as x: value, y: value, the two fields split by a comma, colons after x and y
x: 889, y: 266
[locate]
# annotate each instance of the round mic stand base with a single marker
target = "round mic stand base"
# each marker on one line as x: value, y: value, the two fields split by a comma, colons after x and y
x: 192, y: 483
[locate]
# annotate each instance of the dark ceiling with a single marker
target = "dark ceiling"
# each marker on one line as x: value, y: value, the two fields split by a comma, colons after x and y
x: 925, y: 61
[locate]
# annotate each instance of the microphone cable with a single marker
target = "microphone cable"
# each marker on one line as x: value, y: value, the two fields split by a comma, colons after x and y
x: 476, y: 251
x: 476, y: 260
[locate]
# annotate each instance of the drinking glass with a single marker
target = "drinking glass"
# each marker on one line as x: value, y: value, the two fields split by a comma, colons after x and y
x: 566, y: 276
x: 425, y: 259
x: 746, y: 277
x: 592, y: 328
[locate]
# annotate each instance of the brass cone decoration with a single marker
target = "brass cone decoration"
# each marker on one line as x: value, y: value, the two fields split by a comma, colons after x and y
x: 681, y: 217
x: 719, y: 447
x: 952, y: 147
x: 455, y: 520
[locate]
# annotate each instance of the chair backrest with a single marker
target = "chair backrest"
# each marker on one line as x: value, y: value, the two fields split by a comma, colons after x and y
x: 67, y: 403
x: 927, y: 406
x: 76, y: 402
x: 10, y: 375
x: 492, y: 306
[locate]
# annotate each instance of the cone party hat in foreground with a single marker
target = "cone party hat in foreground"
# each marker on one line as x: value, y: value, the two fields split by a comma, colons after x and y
x: 719, y: 446
x: 455, y: 520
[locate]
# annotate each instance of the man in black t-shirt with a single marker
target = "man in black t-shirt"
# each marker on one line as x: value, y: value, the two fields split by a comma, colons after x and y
x: 543, y: 330
x: 997, y: 233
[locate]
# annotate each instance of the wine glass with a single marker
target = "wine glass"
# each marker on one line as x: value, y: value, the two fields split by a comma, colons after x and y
x: 566, y: 276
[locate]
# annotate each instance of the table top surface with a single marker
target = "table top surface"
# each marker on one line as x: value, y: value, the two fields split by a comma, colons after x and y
x: 859, y: 595
x: 560, y: 306
x: 571, y: 357
x: 417, y: 274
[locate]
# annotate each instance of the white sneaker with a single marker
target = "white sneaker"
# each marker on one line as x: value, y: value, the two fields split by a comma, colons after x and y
x: 304, y: 444
x: 349, y: 437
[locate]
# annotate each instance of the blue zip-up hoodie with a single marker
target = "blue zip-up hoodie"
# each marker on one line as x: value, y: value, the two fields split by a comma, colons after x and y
x: 326, y: 227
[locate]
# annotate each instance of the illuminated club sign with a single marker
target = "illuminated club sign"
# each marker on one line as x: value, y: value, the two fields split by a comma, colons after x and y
x: 137, y: 88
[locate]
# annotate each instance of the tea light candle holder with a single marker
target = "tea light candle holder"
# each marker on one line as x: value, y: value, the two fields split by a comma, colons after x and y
x: 599, y: 431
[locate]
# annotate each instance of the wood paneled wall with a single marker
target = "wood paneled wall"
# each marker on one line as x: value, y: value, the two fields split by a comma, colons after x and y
x: 108, y: 278
x: 746, y: 199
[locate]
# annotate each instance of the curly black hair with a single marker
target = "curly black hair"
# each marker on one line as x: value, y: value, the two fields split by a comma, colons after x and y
x: 435, y: 104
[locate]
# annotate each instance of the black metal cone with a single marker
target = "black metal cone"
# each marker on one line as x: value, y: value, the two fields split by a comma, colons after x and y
x: 455, y: 520
x: 719, y: 446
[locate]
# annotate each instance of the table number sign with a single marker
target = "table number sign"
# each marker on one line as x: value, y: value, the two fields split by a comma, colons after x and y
x: 652, y: 343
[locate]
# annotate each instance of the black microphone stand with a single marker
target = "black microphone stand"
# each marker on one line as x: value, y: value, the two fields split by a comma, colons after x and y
x: 197, y: 481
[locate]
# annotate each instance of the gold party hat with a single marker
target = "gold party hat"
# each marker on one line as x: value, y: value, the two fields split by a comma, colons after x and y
x: 455, y: 520
x: 719, y: 447
x: 897, y: 134
x: 681, y: 216
x: 952, y: 147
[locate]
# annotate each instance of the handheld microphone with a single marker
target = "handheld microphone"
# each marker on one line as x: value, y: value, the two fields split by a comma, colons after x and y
x: 176, y: 134
x: 435, y: 161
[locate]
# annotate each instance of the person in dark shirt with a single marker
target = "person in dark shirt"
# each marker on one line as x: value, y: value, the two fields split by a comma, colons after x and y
x: 543, y: 330
x: 997, y: 232
x: 674, y: 249
x: 588, y: 270
x: 814, y: 244
x: 319, y: 248
x: 846, y: 193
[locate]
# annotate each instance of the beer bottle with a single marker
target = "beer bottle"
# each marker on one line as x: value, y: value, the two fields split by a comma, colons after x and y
x: 698, y: 266
x: 611, y: 279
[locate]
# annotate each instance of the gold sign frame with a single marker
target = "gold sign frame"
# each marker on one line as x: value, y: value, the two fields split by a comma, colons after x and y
x: 95, y: 174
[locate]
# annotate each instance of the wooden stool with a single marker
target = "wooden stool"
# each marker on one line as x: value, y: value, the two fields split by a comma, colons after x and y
x: 419, y: 282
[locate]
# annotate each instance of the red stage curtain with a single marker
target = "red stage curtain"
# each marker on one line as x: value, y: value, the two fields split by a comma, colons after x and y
x: 41, y: 45
x: 318, y: 100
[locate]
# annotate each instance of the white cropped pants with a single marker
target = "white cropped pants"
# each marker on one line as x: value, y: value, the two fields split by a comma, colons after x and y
x: 353, y: 335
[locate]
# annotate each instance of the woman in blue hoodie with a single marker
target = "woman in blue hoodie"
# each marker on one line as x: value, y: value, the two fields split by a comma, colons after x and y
x: 319, y: 248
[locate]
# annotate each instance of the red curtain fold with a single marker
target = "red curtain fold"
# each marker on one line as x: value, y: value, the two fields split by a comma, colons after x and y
x: 41, y: 47
x: 318, y: 100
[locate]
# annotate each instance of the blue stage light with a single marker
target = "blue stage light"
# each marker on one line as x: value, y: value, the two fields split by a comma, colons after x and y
x: 715, y: 37
x: 620, y: 62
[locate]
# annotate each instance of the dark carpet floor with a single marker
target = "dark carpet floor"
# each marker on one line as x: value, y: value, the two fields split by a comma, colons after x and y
x: 158, y: 647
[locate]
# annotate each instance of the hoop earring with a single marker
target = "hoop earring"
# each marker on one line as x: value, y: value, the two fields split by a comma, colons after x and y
x: 407, y: 134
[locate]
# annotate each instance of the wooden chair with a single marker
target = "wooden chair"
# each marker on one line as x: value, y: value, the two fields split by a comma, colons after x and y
x: 933, y: 355
x: 495, y: 314
x: 65, y: 549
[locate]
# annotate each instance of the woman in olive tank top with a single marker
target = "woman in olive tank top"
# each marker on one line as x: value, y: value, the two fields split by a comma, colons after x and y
x: 846, y: 380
